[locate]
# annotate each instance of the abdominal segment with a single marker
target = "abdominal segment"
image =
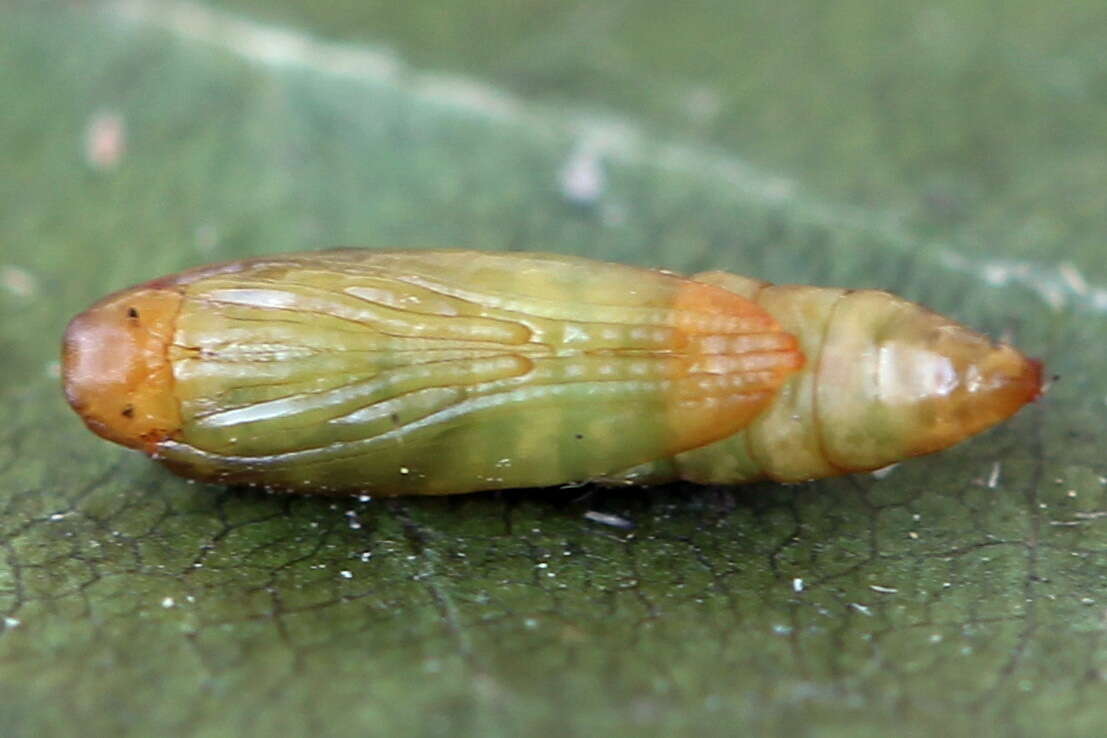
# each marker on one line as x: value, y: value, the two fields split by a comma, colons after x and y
x: 885, y: 379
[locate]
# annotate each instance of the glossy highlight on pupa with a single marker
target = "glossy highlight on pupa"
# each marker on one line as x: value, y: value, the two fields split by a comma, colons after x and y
x: 441, y: 372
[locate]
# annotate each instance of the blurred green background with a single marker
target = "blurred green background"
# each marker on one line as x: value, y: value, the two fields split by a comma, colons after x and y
x: 954, y: 152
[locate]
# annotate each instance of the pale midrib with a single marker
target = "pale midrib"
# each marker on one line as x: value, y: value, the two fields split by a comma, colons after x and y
x: 611, y: 137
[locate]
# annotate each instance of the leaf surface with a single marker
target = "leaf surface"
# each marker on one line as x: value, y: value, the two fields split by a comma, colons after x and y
x: 958, y: 594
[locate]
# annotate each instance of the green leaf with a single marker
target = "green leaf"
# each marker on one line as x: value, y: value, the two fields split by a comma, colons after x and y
x: 959, y: 594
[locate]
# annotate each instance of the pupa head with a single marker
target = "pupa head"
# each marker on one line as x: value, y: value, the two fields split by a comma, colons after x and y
x: 115, y: 367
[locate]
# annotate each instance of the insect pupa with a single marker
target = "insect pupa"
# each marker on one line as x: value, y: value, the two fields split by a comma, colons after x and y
x: 440, y: 372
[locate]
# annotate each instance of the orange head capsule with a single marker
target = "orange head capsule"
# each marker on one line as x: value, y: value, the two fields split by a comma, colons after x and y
x: 115, y: 367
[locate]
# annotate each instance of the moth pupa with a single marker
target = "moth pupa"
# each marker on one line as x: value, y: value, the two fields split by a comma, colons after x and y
x: 440, y: 372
